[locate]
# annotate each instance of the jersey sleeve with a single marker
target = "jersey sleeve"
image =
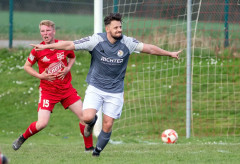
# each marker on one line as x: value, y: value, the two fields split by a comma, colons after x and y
x: 131, y: 43
x: 87, y: 43
x: 32, y: 58
x: 70, y: 54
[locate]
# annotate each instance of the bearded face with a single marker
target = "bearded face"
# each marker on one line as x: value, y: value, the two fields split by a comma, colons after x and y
x: 114, y: 30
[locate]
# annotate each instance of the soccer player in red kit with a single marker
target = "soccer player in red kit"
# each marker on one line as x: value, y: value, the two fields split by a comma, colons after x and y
x: 55, y: 84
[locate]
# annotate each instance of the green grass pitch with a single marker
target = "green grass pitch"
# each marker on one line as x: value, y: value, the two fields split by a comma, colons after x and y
x: 61, y: 141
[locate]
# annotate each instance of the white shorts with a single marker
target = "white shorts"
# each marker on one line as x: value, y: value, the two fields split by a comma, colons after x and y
x: 111, y: 103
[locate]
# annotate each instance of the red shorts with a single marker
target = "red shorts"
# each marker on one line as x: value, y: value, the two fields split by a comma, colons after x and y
x: 47, y: 100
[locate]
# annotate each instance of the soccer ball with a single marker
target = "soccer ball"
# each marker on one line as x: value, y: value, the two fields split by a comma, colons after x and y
x: 169, y: 136
x: 3, y: 159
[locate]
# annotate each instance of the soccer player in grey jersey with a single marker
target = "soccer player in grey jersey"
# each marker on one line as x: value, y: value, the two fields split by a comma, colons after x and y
x: 110, y: 53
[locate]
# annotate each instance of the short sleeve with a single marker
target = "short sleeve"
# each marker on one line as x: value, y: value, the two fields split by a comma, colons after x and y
x: 87, y: 43
x: 131, y: 43
x: 139, y: 48
x: 32, y: 58
x: 70, y: 54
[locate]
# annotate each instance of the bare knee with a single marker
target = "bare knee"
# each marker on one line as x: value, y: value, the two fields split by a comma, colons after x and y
x: 107, y: 123
x: 107, y: 126
x: 89, y: 115
x: 41, y: 125
x: 87, y: 118
x: 76, y: 108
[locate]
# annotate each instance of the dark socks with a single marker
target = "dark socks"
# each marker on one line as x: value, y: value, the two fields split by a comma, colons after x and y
x: 102, y: 141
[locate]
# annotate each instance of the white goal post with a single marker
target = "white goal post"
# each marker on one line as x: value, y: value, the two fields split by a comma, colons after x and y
x: 98, y: 15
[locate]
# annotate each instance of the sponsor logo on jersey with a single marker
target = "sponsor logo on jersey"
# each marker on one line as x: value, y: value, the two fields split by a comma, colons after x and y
x: 31, y: 57
x: 60, y: 56
x: 120, y: 53
x: 45, y: 59
x: 55, y: 67
x: 109, y: 60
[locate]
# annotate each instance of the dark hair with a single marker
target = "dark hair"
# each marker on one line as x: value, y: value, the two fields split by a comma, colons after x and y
x: 112, y: 16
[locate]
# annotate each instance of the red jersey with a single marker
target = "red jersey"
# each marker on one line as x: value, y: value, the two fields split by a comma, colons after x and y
x: 52, y: 61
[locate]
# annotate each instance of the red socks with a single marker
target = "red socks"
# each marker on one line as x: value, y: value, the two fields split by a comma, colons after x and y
x: 88, y: 141
x: 31, y: 130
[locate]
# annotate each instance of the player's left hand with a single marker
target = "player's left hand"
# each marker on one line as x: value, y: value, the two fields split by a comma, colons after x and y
x: 176, y: 54
x: 62, y: 73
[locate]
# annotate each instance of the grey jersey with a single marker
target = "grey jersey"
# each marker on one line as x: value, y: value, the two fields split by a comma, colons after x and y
x: 109, y: 61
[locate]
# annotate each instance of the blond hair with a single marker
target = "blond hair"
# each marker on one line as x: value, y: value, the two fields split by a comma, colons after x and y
x: 47, y: 23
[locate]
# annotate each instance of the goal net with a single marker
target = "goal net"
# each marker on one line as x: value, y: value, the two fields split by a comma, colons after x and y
x: 155, y: 87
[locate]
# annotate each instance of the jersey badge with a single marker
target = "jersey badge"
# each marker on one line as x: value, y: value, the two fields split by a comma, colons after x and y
x: 120, y: 53
x: 45, y: 59
x: 60, y: 56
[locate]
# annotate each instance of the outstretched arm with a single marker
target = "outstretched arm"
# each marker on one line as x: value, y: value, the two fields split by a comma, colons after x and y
x: 154, y: 50
x: 61, y: 45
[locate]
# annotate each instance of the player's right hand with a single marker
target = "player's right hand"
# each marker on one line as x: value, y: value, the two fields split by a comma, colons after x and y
x: 176, y: 54
x: 46, y: 76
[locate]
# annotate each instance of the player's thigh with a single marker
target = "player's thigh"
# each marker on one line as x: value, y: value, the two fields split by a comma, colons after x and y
x: 91, y: 104
x: 46, y: 101
x: 92, y: 100
x: 43, y: 118
x: 76, y: 108
x: 112, y: 105
x: 70, y: 99
x: 112, y: 110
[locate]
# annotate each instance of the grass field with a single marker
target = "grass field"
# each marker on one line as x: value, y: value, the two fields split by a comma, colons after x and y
x: 61, y: 142
x: 44, y: 148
